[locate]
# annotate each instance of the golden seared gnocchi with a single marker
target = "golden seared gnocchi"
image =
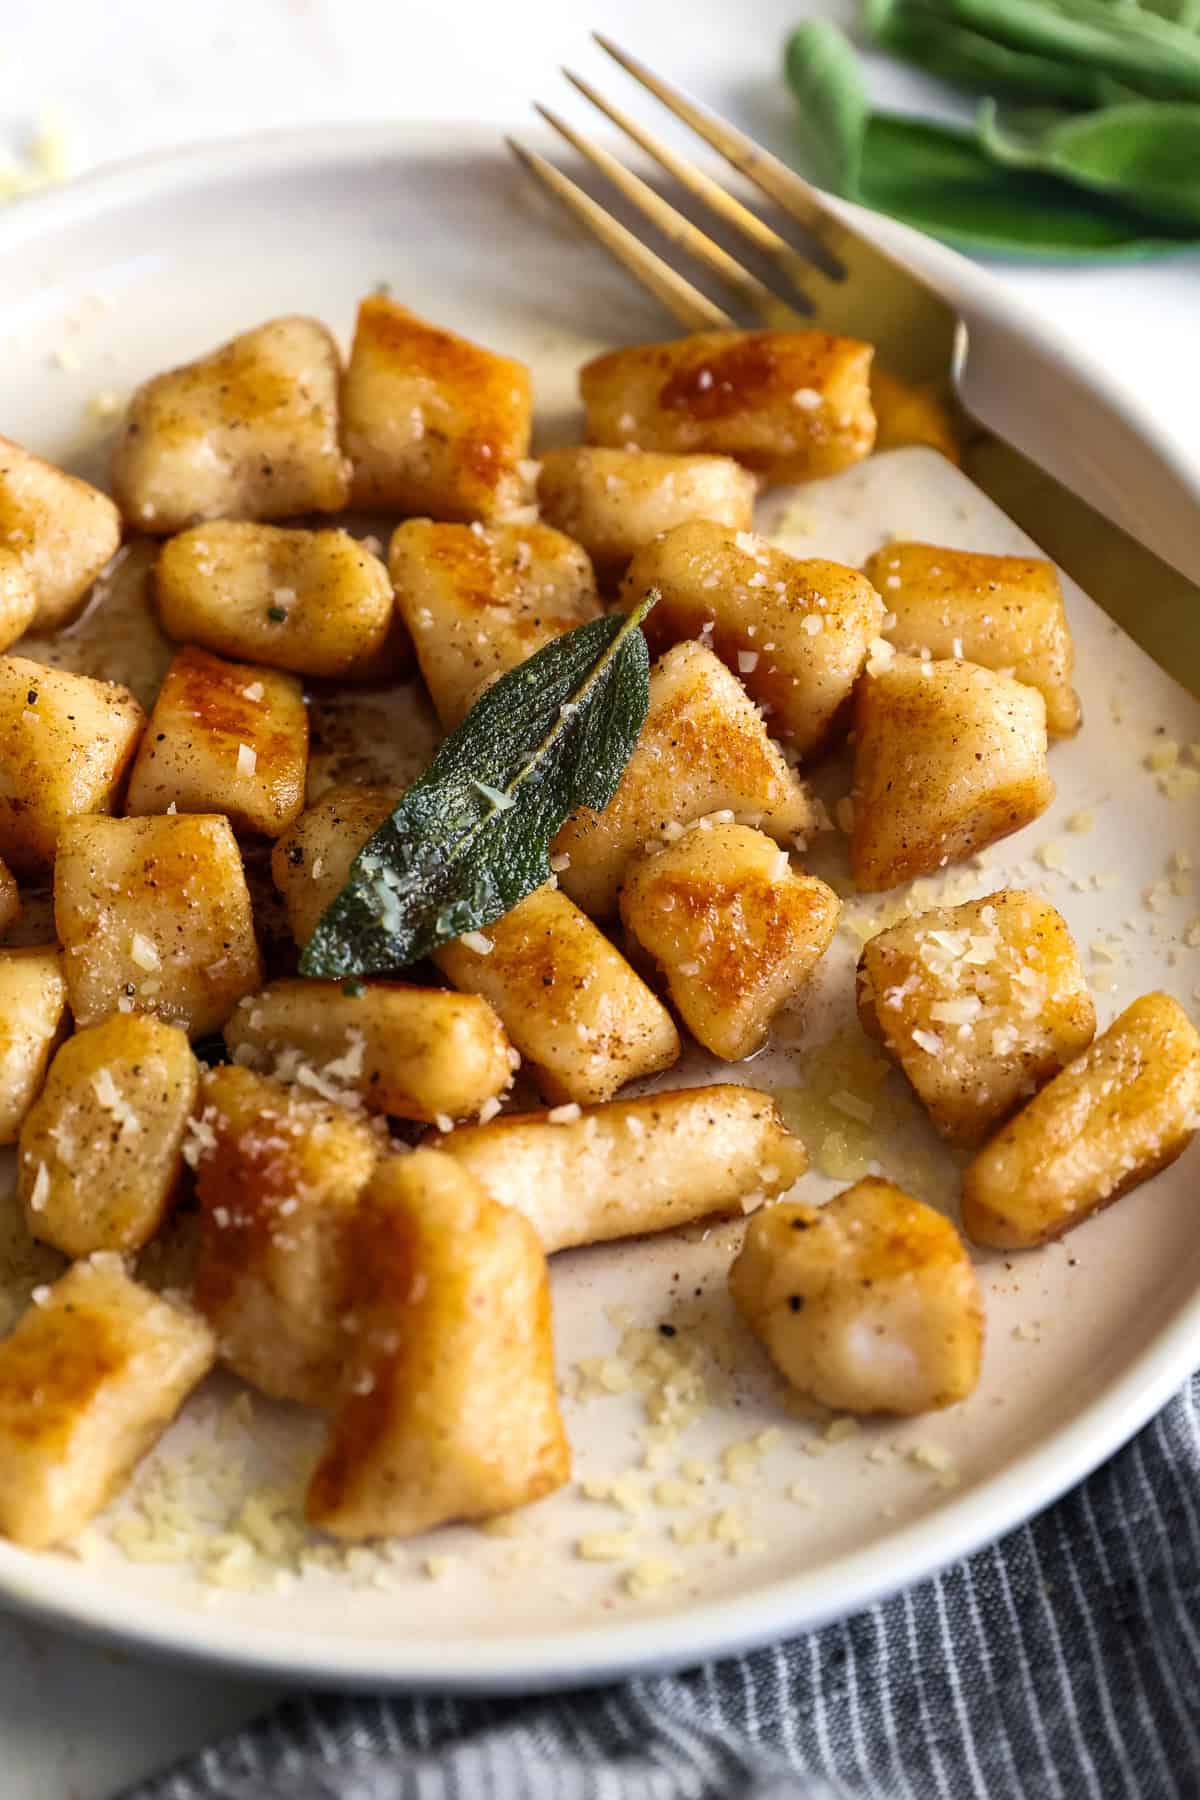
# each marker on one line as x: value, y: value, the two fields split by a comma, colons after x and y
x: 573, y: 1007
x: 61, y: 530
x: 279, y: 1172
x: 18, y: 597
x: 154, y: 916
x: 33, y: 1019
x: 311, y: 861
x: 703, y: 749
x: 866, y: 1304
x: 224, y: 737
x: 352, y: 1200
x: 908, y: 413
x: 478, y: 600
x: 449, y: 1408
x: 1115, y: 1116
x: 795, y: 633
x: 614, y: 502
x: 102, y: 1145
x: 979, y: 1004
x: 314, y: 602
x: 10, y: 898
x: 633, y: 1166
x: 433, y: 423
x: 734, y: 928
x: 248, y: 432
x: 948, y: 758
x: 413, y: 1052
x: 1002, y: 612
x: 66, y: 743
x: 94, y: 1372
x: 791, y: 404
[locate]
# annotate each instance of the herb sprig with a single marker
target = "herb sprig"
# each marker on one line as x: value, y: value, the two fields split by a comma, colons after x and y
x: 471, y: 837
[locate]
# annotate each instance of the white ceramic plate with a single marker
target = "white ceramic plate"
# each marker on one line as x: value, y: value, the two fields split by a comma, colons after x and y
x: 105, y: 283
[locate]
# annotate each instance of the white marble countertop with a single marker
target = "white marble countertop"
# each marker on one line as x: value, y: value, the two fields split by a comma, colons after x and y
x: 78, y: 1723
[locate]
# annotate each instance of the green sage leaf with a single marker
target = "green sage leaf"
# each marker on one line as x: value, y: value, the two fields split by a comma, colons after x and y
x: 943, y: 180
x: 1144, y: 49
x: 917, y: 31
x: 824, y: 75
x: 470, y: 838
x: 1144, y: 153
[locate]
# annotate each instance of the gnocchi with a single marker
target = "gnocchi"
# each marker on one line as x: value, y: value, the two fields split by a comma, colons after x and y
x: 867, y: 1304
x: 792, y: 405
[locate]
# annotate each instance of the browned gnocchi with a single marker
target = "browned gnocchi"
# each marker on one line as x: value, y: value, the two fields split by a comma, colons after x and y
x: 792, y: 405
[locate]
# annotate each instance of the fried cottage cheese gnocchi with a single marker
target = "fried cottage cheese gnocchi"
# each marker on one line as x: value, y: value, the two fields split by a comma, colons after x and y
x: 413, y: 1052
x: 948, y: 758
x: 102, y: 1145
x: 450, y: 1409
x: 1115, y: 1116
x: 61, y: 530
x: 314, y: 602
x: 18, y: 597
x: 66, y: 743
x: 478, y: 601
x: 433, y: 423
x: 311, y: 861
x: 795, y: 633
x: 154, y: 916
x: 793, y: 405
x: 279, y: 1173
x: 734, y: 928
x: 703, y: 749
x: 248, y: 432
x: 583, y: 1021
x: 908, y: 413
x: 979, y: 1004
x: 405, y: 1291
x: 33, y: 1020
x: 89, y: 1379
x: 614, y: 502
x: 867, y: 1304
x: 633, y: 1166
x: 1002, y: 612
x: 224, y: 737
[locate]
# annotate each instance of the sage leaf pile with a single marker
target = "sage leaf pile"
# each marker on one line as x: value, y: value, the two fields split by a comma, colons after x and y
x: 470, y: 838
x: 1086, y: 142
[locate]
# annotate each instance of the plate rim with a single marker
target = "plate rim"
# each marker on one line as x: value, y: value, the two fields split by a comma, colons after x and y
x: 62, y: 1593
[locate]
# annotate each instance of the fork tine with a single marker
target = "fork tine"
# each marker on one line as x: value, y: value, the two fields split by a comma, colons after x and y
x: 694, y: 310
x: 680, y: 231
x: 781, y: 184
x: 792, y: 262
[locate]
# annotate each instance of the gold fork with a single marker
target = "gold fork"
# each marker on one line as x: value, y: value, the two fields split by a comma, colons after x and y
x: 1094, y: 488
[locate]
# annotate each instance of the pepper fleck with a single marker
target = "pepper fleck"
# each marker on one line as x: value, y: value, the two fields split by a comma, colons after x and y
x: 795, y: 1302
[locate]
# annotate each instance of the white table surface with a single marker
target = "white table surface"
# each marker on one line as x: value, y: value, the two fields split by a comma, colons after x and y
x: 127, y: 76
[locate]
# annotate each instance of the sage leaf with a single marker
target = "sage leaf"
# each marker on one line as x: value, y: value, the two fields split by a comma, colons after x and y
x: 942, y: 178
x: 1150, y: 52
x: 1143, y: 153
x: 919, y: 33
x: 470, y: 838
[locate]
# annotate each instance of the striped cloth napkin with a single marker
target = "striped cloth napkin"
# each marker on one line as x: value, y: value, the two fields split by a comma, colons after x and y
x: 1061, y: 1664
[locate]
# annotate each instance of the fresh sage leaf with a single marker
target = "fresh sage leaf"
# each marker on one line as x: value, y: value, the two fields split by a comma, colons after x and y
x: 917, y: 31
x: 470, y: 838
x: 943, y: 180
x: 1144, y: 49
x: 1145, y: 154
x: 823, y: 72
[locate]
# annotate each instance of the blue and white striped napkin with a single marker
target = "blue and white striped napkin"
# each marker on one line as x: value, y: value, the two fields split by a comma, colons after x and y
x: 1061, y: 1664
